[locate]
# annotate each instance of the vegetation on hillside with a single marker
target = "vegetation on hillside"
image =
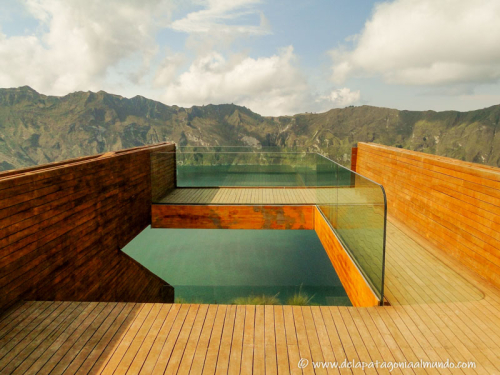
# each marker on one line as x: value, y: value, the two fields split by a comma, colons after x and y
x: 37, y: 129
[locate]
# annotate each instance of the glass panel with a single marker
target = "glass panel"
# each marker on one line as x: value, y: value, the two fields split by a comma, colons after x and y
x: 326, y: 191
x: 354, y: 206
x: 238, y: 266
x: 205, y: 149
x: 340, y: 154
x: 356, y: 209
x: 231, y: 169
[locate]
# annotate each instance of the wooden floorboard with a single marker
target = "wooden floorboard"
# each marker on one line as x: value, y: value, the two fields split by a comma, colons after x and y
x: 275, y: 196
x: 439, y: 310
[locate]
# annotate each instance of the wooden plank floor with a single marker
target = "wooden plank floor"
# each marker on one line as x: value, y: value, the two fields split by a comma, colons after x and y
x: 275, y: 196
x: 439, y: 311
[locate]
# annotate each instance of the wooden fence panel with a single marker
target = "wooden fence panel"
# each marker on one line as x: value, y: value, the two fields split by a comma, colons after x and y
x: 63, y: 225
x: 454, y: 204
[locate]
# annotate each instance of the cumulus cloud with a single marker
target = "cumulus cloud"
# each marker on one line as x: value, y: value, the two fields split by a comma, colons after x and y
x: 167, y: 70
x: 342, y: 97
x: 426, y: 42
x: 271, y: 85
x: 79, y: 41
x: 266, y: 84
x: 112, y: 45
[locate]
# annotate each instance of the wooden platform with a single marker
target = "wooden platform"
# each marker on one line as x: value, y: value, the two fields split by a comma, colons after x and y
x: 240, y: 196
x: 440, y: 310
x: 272, y: 196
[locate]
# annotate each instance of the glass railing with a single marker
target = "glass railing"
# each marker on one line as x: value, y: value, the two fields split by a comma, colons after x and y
x: 232, y: 169
x: 204, y: 149
x: 356, y: 209
x: 251, y: 168
x: 354, y: 206
x: 231, y: 266
x: 340, y: 154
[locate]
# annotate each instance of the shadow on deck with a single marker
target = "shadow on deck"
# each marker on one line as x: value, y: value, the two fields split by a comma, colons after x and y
x: 439, y: 310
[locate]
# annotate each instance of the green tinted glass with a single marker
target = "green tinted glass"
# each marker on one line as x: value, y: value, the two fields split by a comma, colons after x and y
x: 354, y: 206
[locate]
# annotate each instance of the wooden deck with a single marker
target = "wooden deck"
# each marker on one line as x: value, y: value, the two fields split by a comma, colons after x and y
x: 274, y: 196
x: 439, y: 310
x: 240, y: 196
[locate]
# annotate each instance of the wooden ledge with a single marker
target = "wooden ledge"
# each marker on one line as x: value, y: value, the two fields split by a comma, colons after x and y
x: 232, y: 217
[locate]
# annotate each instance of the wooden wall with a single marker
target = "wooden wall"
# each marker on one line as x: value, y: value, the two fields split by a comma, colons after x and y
x: 232, y: 217
x: 63, y: 225
x: 352, y: 280
x: 163, y: 174
x: 454, y: 204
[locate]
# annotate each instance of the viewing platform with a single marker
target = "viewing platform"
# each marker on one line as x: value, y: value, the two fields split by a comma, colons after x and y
x: 439, y: 310
x: 423, y: 277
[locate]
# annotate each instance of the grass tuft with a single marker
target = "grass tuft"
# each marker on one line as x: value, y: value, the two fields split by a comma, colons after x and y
x: 257, y: 300
x: 300, y: 299
x: 185, y: 301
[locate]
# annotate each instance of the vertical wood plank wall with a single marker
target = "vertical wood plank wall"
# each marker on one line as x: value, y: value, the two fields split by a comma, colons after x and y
x: 454, y: 204
x: 62, y: 226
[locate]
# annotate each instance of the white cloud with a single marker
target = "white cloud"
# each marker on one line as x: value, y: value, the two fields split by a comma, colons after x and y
x: 79, y: 41
x: 268, y: 85
x: 220, y: 23
x: 111, y: 45
x: 213, y: 19
x: 167, y: 70
x: 342, y: 97
x: 426, y: 42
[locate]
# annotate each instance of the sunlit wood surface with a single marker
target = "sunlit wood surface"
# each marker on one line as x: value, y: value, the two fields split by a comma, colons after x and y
x: 439, y: 310
x: 275, y: 196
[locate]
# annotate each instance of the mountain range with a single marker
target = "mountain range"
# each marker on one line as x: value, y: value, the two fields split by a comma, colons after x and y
x: 37, y: 129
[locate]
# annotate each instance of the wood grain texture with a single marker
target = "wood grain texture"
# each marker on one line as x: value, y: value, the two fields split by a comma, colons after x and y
x: 63, y: 226
x: 269, y: 196
x: 244, y: 196
x: 352, y: 280
x: 232, y: 217
x: 440, y: 311
x: 163, y: 174
x: 454, y: 204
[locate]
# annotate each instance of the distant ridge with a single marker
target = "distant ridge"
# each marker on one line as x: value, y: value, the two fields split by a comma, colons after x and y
x: 37, y: 129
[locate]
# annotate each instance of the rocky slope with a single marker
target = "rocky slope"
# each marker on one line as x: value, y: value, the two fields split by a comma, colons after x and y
x: 36, y: 129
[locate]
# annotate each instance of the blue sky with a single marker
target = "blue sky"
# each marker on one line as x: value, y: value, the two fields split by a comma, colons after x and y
x: 275, y: 57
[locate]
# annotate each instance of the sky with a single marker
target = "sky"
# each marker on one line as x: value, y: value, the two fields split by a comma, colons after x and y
x: 275, y: 57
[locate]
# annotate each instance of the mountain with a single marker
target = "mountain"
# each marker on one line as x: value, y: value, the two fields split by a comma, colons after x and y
x: 37, y: 129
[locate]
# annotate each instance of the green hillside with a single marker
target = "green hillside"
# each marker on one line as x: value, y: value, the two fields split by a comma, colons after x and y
x: 37, y: 129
